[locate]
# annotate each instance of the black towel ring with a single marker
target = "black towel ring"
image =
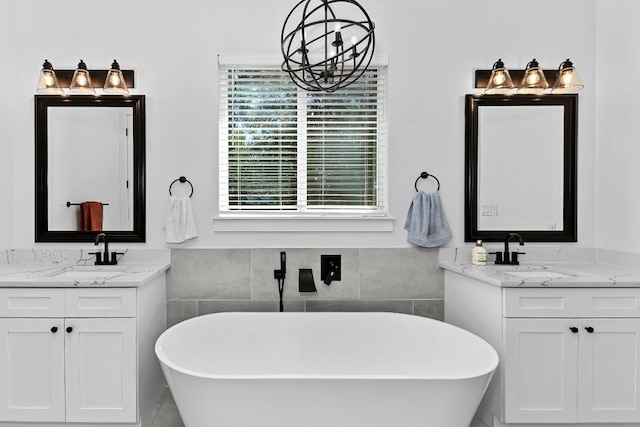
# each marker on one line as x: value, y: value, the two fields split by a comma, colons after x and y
x: 425, y: 175
x: 183, y: 180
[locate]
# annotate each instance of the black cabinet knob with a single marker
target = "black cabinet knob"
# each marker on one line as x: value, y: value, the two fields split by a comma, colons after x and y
x: 589, y: 329
x: 69, y: 329
x: 574, y: 329
x: 54, y: 329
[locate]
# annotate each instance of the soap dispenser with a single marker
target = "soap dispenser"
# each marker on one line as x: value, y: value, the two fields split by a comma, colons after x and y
x: 479, y: 254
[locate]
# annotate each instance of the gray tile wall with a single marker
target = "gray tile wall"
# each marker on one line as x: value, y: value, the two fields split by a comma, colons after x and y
x: 403, y: 280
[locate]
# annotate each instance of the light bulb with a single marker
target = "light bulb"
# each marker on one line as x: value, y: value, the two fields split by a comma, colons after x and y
x: 114, y: 79
x: 533, y: 78
x: 82, y: 80
x: 337, y: 28
x: 499, y: 78
x: 48, y: 79
x: 354, y: 40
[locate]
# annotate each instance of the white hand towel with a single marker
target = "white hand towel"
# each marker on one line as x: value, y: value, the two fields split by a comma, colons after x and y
x: 180, y: 225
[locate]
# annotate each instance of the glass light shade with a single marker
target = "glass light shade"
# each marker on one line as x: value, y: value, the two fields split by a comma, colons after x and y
x: 567, y: 80
x: 533, y: 80
x: 114, y: 83
x: 500, y: 80
x: 81, y: 80
x: 48, y: 82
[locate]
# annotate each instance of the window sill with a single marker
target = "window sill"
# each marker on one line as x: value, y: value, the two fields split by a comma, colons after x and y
x: 299, y: 224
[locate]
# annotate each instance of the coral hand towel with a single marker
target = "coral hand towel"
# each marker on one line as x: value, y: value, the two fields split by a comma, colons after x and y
x: 180, y: 224
x: 91, y: 216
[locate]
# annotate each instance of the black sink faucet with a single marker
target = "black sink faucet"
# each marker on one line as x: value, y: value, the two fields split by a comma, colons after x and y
x: 508, y: 257
x: 103, y: 258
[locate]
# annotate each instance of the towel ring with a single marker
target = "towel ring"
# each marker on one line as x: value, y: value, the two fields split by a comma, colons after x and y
x: 425, y: 175
x: 182, y: 179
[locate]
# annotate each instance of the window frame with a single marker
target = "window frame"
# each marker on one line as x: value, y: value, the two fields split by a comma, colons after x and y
x: 302, y: 212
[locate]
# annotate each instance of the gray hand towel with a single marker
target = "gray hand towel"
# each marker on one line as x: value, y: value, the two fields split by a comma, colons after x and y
x: 426, y: 222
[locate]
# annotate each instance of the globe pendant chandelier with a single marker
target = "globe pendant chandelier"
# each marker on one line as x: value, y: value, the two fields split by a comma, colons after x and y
x: 327, y: 44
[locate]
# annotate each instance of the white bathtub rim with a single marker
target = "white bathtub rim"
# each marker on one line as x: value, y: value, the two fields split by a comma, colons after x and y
x: 488, y: 370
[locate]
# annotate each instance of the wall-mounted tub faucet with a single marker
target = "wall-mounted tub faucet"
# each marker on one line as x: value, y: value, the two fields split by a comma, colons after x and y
x: 330, y: 268
x: 333, y: 269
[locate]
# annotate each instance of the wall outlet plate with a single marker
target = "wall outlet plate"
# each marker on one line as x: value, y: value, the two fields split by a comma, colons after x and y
x: 489, y: 209
x: 325, y: 266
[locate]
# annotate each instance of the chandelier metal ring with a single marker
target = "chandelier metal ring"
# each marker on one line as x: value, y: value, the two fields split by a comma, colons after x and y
x: 316, y: 56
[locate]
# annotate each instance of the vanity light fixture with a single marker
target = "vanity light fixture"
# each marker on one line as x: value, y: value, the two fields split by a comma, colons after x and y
x: 48, y: 82
x: 533, y: 80
x: 567, y: 79
x: 316, y: 56
x: 500, y: 80
x: 114, y: 83
x: 81, y: 80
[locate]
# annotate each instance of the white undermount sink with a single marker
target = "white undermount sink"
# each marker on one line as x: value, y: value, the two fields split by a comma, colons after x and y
x: 86, y: 274
x: 537, y: 274
x: 89, y: 272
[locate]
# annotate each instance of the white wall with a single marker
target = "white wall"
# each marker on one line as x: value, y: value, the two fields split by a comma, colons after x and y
x: 618, y: 133
x: 433, y: 49
x: 7, y: 139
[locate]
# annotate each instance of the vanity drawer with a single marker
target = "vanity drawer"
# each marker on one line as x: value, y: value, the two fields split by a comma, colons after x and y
x: 565, y: 302
x: 104, y: 302
x: 31, y: 302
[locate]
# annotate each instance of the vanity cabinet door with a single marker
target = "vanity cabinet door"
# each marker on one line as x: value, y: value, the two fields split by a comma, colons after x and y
x: 101, y: 369
x: 609, y: 371
x: 540, y: 370
x: 32, y: 369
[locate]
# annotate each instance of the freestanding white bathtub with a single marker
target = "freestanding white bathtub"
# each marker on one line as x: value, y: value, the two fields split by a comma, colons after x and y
x: 324, y: 370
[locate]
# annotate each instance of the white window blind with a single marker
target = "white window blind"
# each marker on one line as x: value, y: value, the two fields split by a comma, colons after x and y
x: 285, y: 150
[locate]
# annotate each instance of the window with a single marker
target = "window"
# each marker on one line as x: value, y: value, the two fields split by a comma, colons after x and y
x: 288, y: 151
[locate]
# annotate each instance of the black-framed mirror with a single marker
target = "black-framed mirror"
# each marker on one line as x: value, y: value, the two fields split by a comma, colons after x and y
x: 89, y: 149
x: 521, y: 167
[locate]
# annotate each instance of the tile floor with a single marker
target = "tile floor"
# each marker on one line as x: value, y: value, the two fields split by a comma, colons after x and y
x: 167, y: 415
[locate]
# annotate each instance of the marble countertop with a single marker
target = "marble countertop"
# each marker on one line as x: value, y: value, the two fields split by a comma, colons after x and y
x: 550, y: 267
x: 559, y: 274
x: 76, y: 268
x: 125, y: 274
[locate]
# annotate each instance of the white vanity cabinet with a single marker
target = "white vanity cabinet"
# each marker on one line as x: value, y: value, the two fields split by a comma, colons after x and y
x: 554, y: 375
x: 567, y: 355
x: 80, y: 355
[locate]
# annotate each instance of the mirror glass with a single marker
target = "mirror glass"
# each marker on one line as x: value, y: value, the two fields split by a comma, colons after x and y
x: 89, y: 149
x: 520, y: 155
